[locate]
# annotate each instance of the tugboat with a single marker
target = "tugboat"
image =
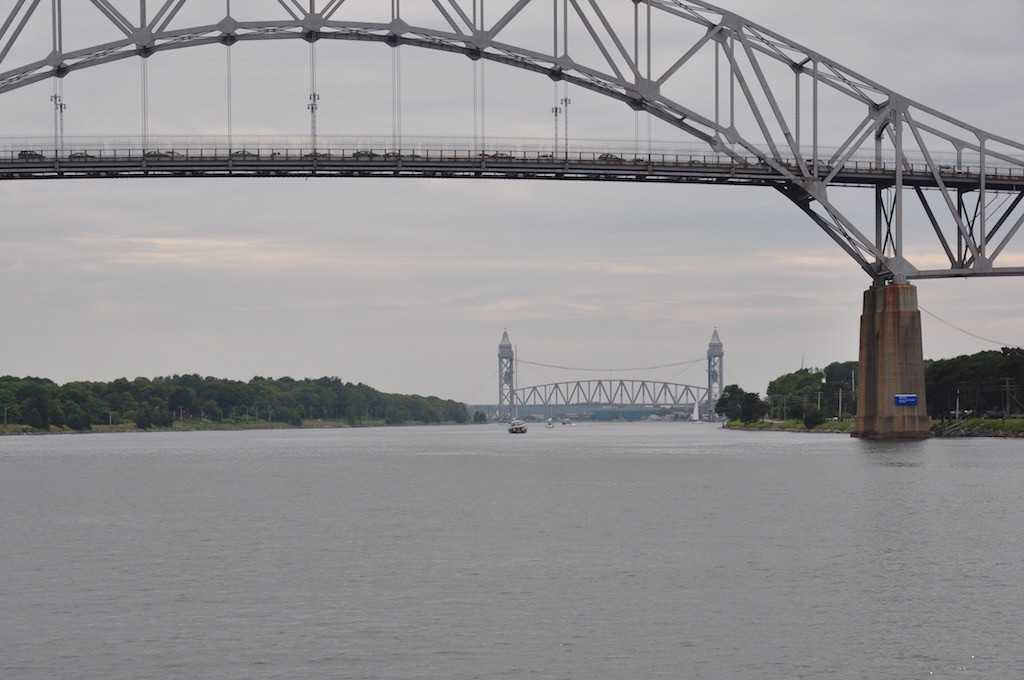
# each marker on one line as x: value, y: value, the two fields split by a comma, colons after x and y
x: 517, y: 427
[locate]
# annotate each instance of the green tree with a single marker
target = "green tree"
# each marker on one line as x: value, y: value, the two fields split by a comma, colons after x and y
x: 212, y: 411
x: 182, y: 401
x: 754, y: 408
x: 730, y: 404
x: 34, y: 398
x: 813, y: 417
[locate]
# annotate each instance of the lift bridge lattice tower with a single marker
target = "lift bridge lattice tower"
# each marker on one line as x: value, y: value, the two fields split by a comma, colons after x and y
x: 506, y: 379
x: 716, y: 373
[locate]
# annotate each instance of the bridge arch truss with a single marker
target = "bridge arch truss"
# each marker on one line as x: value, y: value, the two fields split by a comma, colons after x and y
x: 647, y: 393
x: 765, y: 97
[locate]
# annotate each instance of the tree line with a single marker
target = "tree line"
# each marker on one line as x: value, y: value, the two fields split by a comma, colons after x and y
x: 41, y: 403
x: 812, y: 395
x: 984, y: 384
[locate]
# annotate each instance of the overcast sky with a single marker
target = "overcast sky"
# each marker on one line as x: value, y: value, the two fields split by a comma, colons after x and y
x: 407, y: 285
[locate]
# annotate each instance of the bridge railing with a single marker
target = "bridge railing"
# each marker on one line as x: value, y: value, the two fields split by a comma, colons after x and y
x: 455, y: 149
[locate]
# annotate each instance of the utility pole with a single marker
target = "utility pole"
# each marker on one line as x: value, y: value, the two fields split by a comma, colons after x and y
x: 840, y: 403
x: 1007, y: 386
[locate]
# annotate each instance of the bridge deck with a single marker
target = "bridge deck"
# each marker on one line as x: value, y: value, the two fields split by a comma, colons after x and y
x: 589, y: 165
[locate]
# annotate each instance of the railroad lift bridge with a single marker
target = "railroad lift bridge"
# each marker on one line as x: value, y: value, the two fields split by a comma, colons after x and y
x: 760, y: 111
x: 697, y: 402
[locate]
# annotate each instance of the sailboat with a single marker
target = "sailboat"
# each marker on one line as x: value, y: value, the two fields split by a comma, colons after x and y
x: 516, y: 426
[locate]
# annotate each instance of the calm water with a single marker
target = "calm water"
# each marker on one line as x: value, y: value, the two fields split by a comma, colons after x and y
x: 629, y: 551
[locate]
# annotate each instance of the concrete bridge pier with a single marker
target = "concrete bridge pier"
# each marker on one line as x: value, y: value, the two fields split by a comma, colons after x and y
x: 891, y: 399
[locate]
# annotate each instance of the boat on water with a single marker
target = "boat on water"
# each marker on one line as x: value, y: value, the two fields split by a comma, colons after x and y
x: 551, y: 423
x: 517, y: 427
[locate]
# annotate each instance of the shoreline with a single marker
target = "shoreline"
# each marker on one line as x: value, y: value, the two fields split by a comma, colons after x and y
x: 204, y: 426
x: 957, y: 429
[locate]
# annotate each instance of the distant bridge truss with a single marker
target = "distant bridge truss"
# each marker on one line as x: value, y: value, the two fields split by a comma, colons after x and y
x: 646, y: 393
x: 765, y: 110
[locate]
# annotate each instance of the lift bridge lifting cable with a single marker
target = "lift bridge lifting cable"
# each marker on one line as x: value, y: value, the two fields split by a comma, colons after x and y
x: 611, y: 370
x: 687, y: 364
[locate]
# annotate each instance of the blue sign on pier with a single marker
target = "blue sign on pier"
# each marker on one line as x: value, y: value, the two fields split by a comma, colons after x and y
x: 906, y: 400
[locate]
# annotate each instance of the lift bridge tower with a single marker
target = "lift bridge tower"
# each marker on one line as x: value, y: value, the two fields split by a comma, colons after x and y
x: 716, y: 374
x: 506, y: 379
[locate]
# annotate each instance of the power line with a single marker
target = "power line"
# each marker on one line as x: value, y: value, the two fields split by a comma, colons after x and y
x: 611, y: 370
x: 957, y: 328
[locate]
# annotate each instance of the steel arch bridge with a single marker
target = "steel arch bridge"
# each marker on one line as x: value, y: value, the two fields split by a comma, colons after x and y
x: 765, y: 104
x: 613, y: 393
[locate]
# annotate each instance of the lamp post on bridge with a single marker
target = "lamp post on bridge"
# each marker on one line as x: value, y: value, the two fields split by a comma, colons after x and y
x: 313, y: 96
x: 58, y: 117
x: 565, y: 105
x: 556, y: 110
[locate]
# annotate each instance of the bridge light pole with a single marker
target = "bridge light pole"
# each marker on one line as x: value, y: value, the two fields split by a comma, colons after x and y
x: 556, y: 110
x: 313, y: 96
x: 565, y: 105
x: 145, y: 103
x: 58, y: 116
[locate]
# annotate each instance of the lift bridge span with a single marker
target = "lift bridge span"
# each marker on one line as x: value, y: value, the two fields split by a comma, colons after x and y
x: 612, y: 393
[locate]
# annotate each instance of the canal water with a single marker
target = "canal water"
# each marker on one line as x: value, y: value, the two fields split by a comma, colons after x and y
x: 591, y: 551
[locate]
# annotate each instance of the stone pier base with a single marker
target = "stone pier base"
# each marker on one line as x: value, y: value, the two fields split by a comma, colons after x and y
x: 891, y: 400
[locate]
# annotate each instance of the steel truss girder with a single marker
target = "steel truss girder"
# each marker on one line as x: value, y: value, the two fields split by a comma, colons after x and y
x: 611, y: 393
x: 750, y: 118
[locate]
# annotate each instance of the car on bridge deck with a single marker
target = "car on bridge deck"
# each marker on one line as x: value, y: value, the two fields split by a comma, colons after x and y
x: 80, y: 156
x: 399, y: 156
x: 30, y: 156
x: 609, y: 158
x: 365, y: 155
x: 317, y: 155
x: 162, y: 155
x: 243, y: 154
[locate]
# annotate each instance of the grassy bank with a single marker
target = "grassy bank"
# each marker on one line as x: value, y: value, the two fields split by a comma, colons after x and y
x: 972, y: 427
x: 844, y: 427
x: 979, y: 427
